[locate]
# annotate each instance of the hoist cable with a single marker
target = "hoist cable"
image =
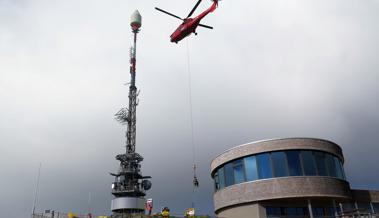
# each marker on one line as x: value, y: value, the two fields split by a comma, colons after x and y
x: 190, y: 104
x: 191, y: 123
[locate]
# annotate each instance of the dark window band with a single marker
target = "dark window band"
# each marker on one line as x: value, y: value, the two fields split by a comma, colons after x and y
x: 278, y: 164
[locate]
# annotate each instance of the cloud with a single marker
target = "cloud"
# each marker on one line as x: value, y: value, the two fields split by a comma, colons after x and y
x: 269, y: 69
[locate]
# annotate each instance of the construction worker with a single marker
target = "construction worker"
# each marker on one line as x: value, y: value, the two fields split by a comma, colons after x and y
x: 195, y: 182
x: 72, y: 215
x: 190, y: 213
x: 165, y: 213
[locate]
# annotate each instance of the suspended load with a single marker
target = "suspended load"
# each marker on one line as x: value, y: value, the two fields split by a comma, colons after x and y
x: 195, y: 180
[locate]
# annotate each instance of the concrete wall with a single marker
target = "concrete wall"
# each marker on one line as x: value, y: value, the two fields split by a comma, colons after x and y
x: 244, y: 211
x: 281, y: 188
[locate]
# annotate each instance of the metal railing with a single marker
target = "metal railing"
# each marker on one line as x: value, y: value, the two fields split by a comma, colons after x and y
x: 54, y: 215
x: 344, y: 215
x: 65, y: 215
x: 159, y: 216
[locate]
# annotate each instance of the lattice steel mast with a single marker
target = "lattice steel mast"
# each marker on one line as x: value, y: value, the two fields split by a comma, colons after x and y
x: 130, y: 186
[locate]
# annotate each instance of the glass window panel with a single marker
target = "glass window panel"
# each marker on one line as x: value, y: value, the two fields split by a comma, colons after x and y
x: 308, y: 163
x: 291, y: 211
x: 229, y: 177
x: 273, y: 211
x: 318, y: 212
x: 264, y: 166
x: 216, y: 182
x: 239, y: 175
x: 343, y: 171
x: 348, y: 207
x: 338, y: 168
x: 294, y: 165
x: 331, y: 165
x: 320, y: 163
x: 279, y: 163
x: 302, y: 211
x: 221, y: 177
x: 330, y: 212
x: 287, y: 211
x: 376, y: 207
x: 251, y: 168
x: 364, y: 207
x: 282, y: 211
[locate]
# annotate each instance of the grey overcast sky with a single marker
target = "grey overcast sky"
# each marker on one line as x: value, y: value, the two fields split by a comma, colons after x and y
x: 269, y: 69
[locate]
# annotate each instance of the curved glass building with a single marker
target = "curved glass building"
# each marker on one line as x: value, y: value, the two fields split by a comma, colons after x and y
x: 292, y: 177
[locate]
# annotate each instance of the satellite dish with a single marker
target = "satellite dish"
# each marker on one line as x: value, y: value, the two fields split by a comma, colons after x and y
x: 146, y: 185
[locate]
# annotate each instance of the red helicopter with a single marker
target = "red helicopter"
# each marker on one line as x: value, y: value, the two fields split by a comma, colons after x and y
x: 189, y: 25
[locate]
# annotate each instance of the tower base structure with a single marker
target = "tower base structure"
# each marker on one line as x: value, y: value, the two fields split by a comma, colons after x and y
x: 130, y: 205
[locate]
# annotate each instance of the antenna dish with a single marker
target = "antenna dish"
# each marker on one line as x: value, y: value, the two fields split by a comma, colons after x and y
x: 146, y: 185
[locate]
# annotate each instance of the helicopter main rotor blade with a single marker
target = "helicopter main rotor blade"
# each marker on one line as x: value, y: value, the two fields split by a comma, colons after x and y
x: 205, y: 26
x: 168, y: 13
x: 194, y: 9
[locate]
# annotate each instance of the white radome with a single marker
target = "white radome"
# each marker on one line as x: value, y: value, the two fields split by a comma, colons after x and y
x: 136, y: 19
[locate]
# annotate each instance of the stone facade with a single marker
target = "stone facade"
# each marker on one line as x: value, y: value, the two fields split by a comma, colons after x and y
x: 280, y: 188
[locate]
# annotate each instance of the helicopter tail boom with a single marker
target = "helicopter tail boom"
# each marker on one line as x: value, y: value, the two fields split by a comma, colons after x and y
x: 214, y: 6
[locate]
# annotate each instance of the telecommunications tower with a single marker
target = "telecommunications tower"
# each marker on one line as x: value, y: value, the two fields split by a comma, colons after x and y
x: 130, y: 186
